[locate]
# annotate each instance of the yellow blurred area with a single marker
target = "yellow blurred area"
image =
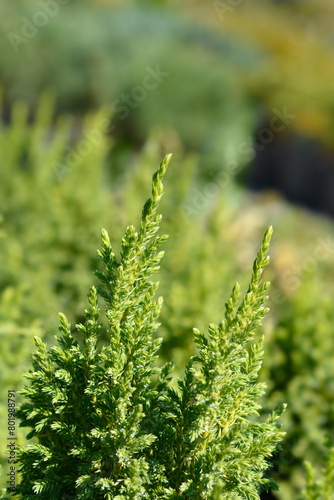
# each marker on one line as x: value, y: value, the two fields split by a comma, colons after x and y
x: 298, y: 40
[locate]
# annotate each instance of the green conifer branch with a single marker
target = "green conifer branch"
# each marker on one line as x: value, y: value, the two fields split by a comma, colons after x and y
x: 106, y: 428
x: 223, y: 449
x: 86, y: 403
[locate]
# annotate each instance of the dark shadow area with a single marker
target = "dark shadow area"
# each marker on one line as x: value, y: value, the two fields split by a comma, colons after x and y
x: 299, y: 168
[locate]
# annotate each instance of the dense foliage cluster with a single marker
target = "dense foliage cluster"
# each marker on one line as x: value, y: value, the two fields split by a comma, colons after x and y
x: 322, y: 487
x: 104, y: 431
x: 202, y: 80
x: 48, y: 268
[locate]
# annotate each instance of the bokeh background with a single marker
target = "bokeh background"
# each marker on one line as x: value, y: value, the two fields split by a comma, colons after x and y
x: 94, y: 93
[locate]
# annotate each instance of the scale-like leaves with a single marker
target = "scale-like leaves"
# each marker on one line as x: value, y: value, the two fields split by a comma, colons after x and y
x: 107, y: 421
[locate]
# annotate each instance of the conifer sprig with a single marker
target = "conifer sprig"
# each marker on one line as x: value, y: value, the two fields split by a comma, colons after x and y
x: 106, y: 428
x: 86, y: 405
x: 217, y: 449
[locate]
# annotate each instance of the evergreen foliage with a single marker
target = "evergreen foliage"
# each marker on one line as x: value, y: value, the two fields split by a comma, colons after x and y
x: 55, y: 212
x: 301, y: 370
x: 48, y: 268
x: 52, y: 198
x: 48, y: 212
x: 323, y: 487
x: 15, y: 353
x: 105, y: 420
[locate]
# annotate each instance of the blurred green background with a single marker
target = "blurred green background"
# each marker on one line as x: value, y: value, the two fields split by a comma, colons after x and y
x: 94, y: 93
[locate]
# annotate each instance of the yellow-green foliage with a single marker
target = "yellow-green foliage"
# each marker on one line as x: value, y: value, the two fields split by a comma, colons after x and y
x: 320, y: 486
x: 108, y: 428
x: 301, y: 368
x: 15, y: 342
x: 49, y: 211
x: 47, y: 226
x: 51, y: 197
x: 48, y: 236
